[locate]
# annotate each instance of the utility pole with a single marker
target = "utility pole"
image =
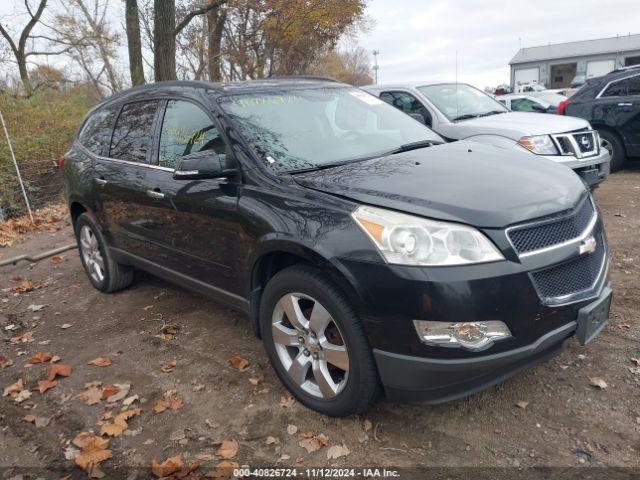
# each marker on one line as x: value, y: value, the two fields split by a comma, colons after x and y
x: 376, y: 67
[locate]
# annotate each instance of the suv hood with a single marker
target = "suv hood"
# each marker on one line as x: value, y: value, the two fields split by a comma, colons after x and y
x: 465, y: 182
x: 516, y: 125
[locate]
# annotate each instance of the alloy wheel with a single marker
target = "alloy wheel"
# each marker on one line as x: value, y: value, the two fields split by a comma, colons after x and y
x: 310, y: 346
x: 91, y: 255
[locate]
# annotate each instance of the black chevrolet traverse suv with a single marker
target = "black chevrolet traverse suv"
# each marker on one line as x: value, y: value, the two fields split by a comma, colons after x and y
x: 611, y: 103
x: 366, y: 253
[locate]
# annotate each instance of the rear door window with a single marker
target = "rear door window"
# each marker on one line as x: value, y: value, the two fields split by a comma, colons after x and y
x: 186, y: 129
x: 96, y: 133
x: 634, y: 86
x: 407, y: 103
x: 621, y: 88
x: 133, y: 134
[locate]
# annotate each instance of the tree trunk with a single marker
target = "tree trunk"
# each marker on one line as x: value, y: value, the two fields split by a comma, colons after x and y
x: 215, y: 27
x: 164, y: 60
x: 133, y: 42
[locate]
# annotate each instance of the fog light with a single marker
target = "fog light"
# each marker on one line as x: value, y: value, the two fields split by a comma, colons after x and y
x: 469, y: 335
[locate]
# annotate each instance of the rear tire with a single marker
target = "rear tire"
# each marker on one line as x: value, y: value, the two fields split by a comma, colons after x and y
x: 612, y: 142
x: 103, y: 271
x: 323, y: 356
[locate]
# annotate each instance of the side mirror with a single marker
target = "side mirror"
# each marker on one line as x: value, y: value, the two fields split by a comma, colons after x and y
x: 200, y: 166
x: 419, y: 117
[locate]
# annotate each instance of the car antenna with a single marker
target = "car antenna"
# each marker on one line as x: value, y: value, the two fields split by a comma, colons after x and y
x: 457, y: 109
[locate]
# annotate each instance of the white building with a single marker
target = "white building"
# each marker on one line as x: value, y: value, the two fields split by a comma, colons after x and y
x: 556, y: 65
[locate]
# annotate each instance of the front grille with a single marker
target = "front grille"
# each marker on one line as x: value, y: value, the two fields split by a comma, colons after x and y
x: 578, y: 144
x: 586, y: 142
x: 554, y: 231
x: 571, y: 278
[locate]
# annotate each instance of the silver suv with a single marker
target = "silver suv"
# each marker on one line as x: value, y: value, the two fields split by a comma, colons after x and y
x: 458, y: 111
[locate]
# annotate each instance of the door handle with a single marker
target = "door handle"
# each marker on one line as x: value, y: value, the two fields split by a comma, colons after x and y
x: 155, y: 194
x: 625, y: 104
x: 100, y: 181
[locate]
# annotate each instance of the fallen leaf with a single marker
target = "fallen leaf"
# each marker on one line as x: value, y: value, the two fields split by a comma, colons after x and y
x: 57, y: 259
x: 94, y: 451
x: 227, y: 449
x: 5, y: 362
x: 64, y: 326
x: 22, y: 396
x: 119, y: 423
x: 90, y: 396
x: 168, y: 366
x: 44, y: 385
x: 60, y: 370
x: 287, y: 401
x: 224, y: 469
x: 100, y: 362
x: 109, y: 390
x: 522, y: 404
x: 173, y: 402
x: 123, y: 391
x: 129, y: 400
x: 14, y: 388
x: 598, y: 383
x: 337, y: 451
x: 238, y: 362
x: 367, y: 425
x: 311, y: 442
x: 38, y: 421
x: 35, y: 308
x: 27, y: 286
x: 636, y: 361
x: 292, y: 429
x: 271, y: 440
x: 170, y: 466
x: 41, y: 357
x: 26, y: 337
x: 254, y: 381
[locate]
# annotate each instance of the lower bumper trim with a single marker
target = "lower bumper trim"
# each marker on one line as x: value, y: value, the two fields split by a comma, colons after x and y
x: 432, y: 381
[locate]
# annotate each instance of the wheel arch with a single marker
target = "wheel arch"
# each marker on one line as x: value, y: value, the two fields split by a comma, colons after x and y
x: 276, y: 255
x: 614, y: 131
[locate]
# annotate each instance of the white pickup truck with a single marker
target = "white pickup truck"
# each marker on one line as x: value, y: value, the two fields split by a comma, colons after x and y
x: 458, y: 111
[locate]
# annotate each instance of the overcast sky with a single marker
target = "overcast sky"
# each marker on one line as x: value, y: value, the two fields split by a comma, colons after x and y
x: 418, y: 39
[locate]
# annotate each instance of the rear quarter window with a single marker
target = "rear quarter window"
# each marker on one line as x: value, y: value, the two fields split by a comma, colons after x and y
x: 96, y: 132
x: 133, y: 133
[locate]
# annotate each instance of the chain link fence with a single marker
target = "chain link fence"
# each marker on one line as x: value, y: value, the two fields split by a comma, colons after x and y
x: 35, y: 183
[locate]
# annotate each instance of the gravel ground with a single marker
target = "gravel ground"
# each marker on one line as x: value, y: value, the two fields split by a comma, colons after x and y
x: 565, y: 422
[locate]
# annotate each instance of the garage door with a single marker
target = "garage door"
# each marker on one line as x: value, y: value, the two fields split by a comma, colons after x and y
x: 523, y: 76
x: 597, y: 68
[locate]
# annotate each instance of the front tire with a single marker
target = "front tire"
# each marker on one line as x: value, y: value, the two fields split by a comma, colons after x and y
x: 316, y: 343
x: 612, y: 142
x: 103, y: 271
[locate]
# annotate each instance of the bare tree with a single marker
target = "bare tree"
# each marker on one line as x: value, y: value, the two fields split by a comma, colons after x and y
x: 134, y: 44
x: 19, y: 51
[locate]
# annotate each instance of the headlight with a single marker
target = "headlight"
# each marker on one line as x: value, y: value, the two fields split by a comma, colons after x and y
x: 407, y: 240
x: 540, y: 144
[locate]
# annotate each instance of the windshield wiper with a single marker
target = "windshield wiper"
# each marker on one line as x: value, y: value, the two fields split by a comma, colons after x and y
x: 414, y: 146
x: 492, y: 112
x: 316, y: 168
x: 466, y: 116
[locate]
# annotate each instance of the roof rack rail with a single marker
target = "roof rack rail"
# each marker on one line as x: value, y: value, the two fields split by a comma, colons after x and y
x: 624, y: 69
x: 303, y: 77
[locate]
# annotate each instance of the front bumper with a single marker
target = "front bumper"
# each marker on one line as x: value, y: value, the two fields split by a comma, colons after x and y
x: 432, y: 380
x: 592, y: 170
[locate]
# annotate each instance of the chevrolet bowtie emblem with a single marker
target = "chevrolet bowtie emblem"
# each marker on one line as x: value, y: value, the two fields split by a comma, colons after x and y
x: 588, y: 245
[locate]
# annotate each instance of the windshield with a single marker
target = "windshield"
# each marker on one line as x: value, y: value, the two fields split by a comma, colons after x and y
x: 306, y: 128
x: 461, y: 101
x: 552, y: 97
